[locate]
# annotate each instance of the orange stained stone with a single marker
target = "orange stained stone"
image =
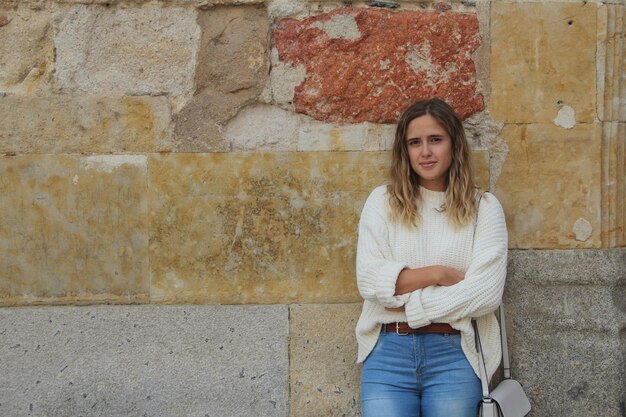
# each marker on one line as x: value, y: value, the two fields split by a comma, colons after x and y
x: 368, y: 65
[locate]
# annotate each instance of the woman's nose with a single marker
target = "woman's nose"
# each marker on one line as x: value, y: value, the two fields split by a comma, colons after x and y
x: 425, y: 150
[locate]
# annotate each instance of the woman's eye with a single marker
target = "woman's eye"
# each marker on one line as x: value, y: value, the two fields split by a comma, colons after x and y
x: 414, y: 142
x: 436, y: 140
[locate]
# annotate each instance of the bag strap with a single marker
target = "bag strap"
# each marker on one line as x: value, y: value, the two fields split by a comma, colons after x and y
x: 482, y: 369
x: 505, y: 350
x: 505, y: 346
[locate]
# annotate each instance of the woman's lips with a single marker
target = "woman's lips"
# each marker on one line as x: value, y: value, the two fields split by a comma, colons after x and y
x: 427, y: 164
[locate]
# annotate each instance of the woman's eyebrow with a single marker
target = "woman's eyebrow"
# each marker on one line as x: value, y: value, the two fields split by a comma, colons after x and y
x: 429, y: 136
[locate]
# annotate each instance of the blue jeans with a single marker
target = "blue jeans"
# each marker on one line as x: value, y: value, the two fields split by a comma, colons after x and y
x: 419, y: 375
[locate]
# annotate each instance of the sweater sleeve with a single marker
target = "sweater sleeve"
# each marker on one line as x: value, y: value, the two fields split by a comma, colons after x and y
x: 376, y: 271
x: 481, y: 290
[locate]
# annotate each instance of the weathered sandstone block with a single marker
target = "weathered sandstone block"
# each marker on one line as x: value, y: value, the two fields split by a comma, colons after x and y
x: 259, y: 227
x: 73, y: 229
x: 64, y: 124
x: 232, y: 69
x: 614, y: 184
x: 543, y: 56
x: 551, y: 179
x: 138, y: 51
x: 611, y: 62
x: 26, y: 50
x: 369, y: 64
x: 324, y: 377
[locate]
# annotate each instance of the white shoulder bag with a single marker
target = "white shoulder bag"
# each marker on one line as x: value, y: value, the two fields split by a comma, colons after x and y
x: 508, y: 399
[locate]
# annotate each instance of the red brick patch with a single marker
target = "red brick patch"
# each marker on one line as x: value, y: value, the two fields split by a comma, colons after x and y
x: 369, y: 64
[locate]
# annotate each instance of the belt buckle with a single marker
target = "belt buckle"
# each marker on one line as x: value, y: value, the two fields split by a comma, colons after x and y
x: 398, y: 330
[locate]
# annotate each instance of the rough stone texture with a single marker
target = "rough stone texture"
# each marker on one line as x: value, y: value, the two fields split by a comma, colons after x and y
x: 99, y: 124
x: 144, y: 360
x: 542, y: 55
x: 263, y: 128
x: 198, y: 125
x: 258, y: 228
x: 284, y: 79
x: 279, y: 9
x: 480, y: 161
x: 351, y: 78
x: 73, y: 229
x: 567, y: 321
x: 614, y: 184
x: 201, y: 4
x: 233, y: 63
x: 324, y: 377
x: 483, y: 133
x: 482, y: 53
x: 137, y: 51
x: 320, y: 136
x: 551, y: 178
x: 234, y: 49
x: 26, y: 50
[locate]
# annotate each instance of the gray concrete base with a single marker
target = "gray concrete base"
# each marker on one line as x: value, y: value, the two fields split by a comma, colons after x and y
x: 144, y: 361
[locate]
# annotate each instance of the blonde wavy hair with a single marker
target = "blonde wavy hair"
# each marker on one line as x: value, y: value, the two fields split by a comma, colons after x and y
x: 404, y: 191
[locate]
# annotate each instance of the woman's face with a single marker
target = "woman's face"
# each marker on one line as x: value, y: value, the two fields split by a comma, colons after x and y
x: 430, y: 152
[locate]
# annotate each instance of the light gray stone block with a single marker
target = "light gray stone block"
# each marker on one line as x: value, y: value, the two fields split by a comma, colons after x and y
x: 144, y: 361
x: 135, y: 51
x: 567, y: 322
x: 263, y: 128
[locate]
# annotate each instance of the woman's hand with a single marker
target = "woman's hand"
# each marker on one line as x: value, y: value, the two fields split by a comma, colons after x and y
x: 410, y: 280
x: 446, y: 276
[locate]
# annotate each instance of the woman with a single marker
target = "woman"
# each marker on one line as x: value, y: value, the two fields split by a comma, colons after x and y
x: 431, y: 256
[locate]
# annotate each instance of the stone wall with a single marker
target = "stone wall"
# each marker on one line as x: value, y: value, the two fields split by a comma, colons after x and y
x: 180, y: 183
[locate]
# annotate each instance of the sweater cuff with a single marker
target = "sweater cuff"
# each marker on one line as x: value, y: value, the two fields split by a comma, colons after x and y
x: 415, y: 314
x: 386, y: 285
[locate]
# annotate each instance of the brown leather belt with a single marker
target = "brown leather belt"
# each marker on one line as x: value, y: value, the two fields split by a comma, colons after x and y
x: 403, y: 328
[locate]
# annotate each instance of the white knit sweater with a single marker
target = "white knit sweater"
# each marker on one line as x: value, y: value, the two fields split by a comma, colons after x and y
x: 385, y: 248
